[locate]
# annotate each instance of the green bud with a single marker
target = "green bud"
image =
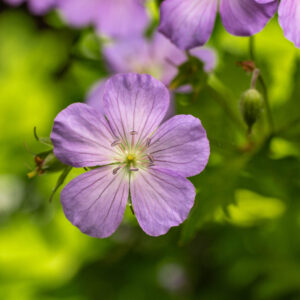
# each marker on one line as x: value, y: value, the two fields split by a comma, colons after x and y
x: 251, y: 104
x: 46, y: 162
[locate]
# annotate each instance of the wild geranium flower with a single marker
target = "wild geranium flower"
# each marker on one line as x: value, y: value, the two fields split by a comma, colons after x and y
x: 189, y: 23
x: 135, y: 158
x: 156, y: 56
x: 114, y: 18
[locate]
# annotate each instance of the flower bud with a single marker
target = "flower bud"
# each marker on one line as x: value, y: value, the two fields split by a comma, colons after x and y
x: 251, y: 104
x: 46, y: 162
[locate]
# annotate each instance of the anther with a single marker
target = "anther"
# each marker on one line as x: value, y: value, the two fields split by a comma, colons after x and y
x: 151, y: 159
x: 148, y: 141
x: 115, y: 143
x: 115, y: 171
x: 133, y: 132
x: 133, y: 169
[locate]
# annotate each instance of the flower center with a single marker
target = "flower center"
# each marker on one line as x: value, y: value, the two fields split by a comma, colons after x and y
x: 132, y: 155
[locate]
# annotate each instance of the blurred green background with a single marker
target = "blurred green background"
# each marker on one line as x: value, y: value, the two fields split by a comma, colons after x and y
x: 241, y: 240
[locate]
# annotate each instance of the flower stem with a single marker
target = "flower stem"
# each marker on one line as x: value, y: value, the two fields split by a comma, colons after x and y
x: 267, y: 102
x: 262, y: 83
x: 251, y: 47
x: 254, y: 78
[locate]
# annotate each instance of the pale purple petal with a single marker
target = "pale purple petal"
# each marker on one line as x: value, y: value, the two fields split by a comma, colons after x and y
x: 78, y: 12
x: 95, y: 96
x: 81, y: 137
x: 135, y: 103
x: 122, y: 18
x: 95, y: 201
x: 40, y: 7
x: 188, y: 23
x: 207, y: 56
x: 166, y: 57
x: 181, y: 145
x: 126, y: 55
x: 161, y: 199
x: 289, y: 20
x: 246, y: 17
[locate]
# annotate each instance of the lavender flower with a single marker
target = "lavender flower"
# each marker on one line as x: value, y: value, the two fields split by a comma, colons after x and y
x: 157, y: 57
x: 134, y: 154
x: 189, y: 23
x: 115, y: 18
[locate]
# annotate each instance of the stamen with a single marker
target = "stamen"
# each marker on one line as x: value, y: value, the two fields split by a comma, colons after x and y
x: 133, y: 169
x: 133, y: 132
x: 115, y: 171
x: 115, y: 143
x: 151, y: 159
x: 148, y: 141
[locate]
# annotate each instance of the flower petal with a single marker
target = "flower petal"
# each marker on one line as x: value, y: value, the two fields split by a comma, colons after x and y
x: 122, y: 18
x: 167, y: 57
x: 188, y: 23
x: 265, y: 1
x: 161, y: 199
x: 246, y: 17
x: 41, y: 7
x: 207, y: 56
x: 288, y: 17
x: 79, y: 13
x: 125, y: 56
x: 181, y: 145
x: 95, y: 201
x: 95, y: 96
x: 135, y: 102
x: 82, y: 138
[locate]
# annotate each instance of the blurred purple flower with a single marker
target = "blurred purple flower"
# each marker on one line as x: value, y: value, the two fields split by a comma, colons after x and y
x: 115, y: 18
x: 134, y: 154
x: 157, y: 57
x: 37, y: 7
x: 189, y: 23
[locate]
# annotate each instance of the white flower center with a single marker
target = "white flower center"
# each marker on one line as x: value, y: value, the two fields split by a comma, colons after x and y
x: 131, y: 155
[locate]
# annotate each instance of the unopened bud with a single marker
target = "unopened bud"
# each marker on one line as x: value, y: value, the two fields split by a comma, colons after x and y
x: 46, y: 162
x: 251, y: 104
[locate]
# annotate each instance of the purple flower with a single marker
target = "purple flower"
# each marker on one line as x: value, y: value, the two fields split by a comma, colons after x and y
x: 189, y: 23
x: 157, y: 57
x: 37, y: 7
x: 115, y: 18
x: 134, y: 154
x: 289, y: 19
